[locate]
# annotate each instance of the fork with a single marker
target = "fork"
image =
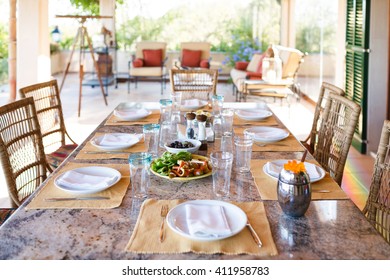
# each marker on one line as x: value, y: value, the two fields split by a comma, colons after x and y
x: 163, y: 214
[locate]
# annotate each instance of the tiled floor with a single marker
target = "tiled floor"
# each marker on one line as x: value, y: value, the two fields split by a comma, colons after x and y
x: 297, y: 117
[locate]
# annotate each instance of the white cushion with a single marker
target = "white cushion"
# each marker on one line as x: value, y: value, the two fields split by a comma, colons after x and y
x: 254, y: 63
x: 147, y: 71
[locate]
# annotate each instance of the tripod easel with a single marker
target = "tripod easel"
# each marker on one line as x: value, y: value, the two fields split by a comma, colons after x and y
x: 82, y: 36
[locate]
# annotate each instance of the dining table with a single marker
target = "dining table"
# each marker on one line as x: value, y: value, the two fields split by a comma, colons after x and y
x: 123, y: 228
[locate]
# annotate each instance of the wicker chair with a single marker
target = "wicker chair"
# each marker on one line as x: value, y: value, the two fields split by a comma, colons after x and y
x: 194, y: 83
x: 49, y: 110
x: 21, y: 149
x: 326, y: 88
x: 335, y: 134
x: 377, y: 209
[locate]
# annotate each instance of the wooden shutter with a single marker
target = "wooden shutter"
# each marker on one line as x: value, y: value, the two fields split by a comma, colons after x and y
x: 357, y: 50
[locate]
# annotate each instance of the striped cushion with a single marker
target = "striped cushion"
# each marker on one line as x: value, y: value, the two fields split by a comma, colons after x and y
x: 56, y: 158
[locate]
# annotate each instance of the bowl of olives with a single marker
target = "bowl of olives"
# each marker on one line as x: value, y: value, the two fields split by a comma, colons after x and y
x: 179, y: 145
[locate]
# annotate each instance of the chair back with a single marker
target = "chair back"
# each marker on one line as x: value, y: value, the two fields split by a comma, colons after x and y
x: 194, y: 83
x: 49, y: 110
x: 377, y: 209
x: 326, y: 88
x: 335, y: 135
x: 21, y: 150
x: 149, y: 45
x: 197, y: 46
x: 291, y: 60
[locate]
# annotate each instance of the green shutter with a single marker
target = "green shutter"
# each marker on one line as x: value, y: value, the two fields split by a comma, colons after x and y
x: 357, y: 45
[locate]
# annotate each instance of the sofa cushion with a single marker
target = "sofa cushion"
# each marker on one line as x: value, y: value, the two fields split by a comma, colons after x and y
x: 204, y: 63
x: 139, y: 62
x: 241, y: 65
x: 191, y: 58
x: 253, y: 76
x: 256, y: 60
x: 152, y: 58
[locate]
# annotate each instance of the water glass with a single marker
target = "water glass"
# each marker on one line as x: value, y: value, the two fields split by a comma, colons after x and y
x: 151, y: 135
x: 243, y: 146
x: 222, y: 168
x: 176, y: 103
x: 227, y: 142
x: 165, y: 133
x: 217, y: 104
x: 139, y: 174
x: 165, y: 110
x: 227, y: 120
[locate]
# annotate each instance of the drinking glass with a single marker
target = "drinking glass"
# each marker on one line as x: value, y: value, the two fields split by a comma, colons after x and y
x: 227, y: 120
x: 165, y: 133
x: 165, y: 110
x: 151, y: 135
x: 222, y: 168
x: 227, y: 142
x: 217, y: 104
x: 139, y: 174
x: 243, y: 146
x: 176, y: 103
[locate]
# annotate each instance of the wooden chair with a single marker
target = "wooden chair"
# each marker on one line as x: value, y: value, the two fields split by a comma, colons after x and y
x: 326, y: 88
x: 377, y: 209
x: 21, y: 149
x: 335, y: 134
x: 149, y: 61
x: 51, y: 120
x: 194, y: 83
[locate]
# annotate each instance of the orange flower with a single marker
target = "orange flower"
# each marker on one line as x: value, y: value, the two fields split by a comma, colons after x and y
x: 294, y: 166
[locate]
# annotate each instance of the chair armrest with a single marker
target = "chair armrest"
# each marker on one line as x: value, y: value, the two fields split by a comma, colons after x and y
x: 163, y: 62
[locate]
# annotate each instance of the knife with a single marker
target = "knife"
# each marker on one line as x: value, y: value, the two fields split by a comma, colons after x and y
x: 76, y: 198
x: 256, y: 238
x: 111, y: 152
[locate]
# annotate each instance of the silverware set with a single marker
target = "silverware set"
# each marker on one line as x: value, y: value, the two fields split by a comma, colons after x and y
x: 52, y: 199
x: 256, y: 238
x: 163, y: 214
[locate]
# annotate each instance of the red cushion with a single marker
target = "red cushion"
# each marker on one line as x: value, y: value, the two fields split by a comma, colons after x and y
x: 139, y: 62
x: 241, y: 65
x: 191, y: 58
x: 253, y: 75
x: 152, y: 58
x: 204, y: 63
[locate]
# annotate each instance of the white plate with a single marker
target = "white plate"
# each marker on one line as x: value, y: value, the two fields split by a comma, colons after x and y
x: 128, y: 141
x: 131, y: 114
x: 253, y: 115
x: 193, y: 104
x: 92, y: 171
x: 176, y: 219
x: 308, y: 165
x: 267, y: 134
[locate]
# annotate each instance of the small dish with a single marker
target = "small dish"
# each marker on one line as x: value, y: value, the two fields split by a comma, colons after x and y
x: 105, y: 177
x: 236, y: 218
x: 253, y: 115
x: 314, y: 171
x: 115, y: 141
x: 131, y: 114
x: 267, y: 134
x: 194, y: 142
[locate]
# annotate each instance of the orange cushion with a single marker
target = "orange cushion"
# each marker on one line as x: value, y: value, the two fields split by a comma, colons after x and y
x: 191, y: 58
x: 152, y: 58
x: 139, y: 62
x: 204, y: 63
x: 241, y: 65
x: 253, y: 75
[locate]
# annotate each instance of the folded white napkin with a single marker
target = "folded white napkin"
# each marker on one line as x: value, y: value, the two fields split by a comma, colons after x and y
x: 75, y: 179
x: 268, y: 134
x: 113, y: 140
x: 274, y: 169
x: 206, y: 220
x: 192, y: 103
x: 128, y: 112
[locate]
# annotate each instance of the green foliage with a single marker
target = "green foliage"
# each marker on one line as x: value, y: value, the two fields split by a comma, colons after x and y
x: 89, y: 6
x: 3, y: 54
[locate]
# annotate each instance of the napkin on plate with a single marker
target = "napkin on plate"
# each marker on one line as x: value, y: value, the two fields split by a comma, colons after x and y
x: 206, y: 220
x: 268, y: 134
x: 134, y: 113
x: 192, y: 103
x: 274, y: 169
x: 74, y: 179
x: 118, y: 139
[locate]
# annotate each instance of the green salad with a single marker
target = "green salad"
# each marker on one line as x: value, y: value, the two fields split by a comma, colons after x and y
x: 163, y: 165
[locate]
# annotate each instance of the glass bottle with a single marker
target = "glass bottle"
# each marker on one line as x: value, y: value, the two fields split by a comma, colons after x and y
x: 202, y: 131
x: 190, y: 130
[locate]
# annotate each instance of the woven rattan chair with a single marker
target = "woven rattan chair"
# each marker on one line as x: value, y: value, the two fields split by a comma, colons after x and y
x: 377, y: 209
x: 49, y: 110
x: 335, y: 134
x: 194, y: 83
x: 21, y: 149
x: 326, y: 88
